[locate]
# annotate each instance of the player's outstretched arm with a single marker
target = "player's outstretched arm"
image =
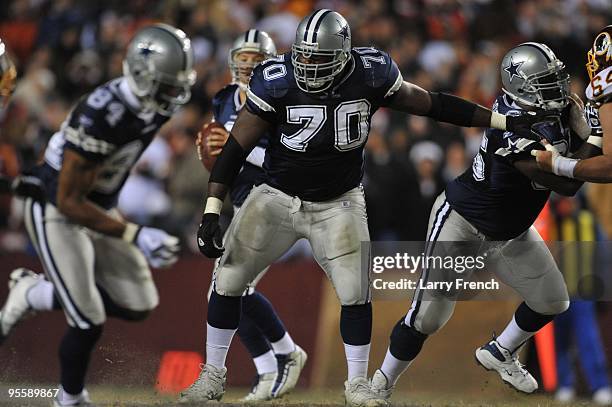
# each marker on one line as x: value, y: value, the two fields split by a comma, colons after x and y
x: 443, y: 107
x: 561, y: 185
x: 244, y: 136
x: 596, y: 169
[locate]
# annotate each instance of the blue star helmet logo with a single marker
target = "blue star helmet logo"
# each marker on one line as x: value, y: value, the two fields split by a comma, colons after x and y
x: 344, y: 32
x: 148, y: 48
x: 513, y: 69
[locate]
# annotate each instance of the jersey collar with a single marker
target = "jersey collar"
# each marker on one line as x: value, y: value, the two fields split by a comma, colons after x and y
x: 237, y: 104
x: 128, y: 96
x: 131, y: 100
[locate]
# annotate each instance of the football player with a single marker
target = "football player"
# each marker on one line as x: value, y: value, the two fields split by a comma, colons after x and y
x: 493, y: 205
x: 8, y: 74
x: 316, y: 103
x: 95, y: 262
x: 277, y: 358
x: 599, y: 111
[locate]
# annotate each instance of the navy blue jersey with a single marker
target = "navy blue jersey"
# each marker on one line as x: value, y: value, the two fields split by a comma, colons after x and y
x: 106, y: 127
x: 226, y: 105
x: 493, y: 195
x: 316, y: 141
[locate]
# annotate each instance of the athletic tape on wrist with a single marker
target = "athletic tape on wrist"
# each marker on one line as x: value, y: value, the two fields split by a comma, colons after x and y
x: 213, y: 205
x: 130, y: 232
x: 564, y: 166
x: 596, y: 141
x: 498, y: 121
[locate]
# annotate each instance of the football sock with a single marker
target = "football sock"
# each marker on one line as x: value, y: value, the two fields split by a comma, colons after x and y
x: 263, y: 314
x: 524, y: 324
x: 252, y: 338
x: 265, y: 363
x: 393, y: 367
x: 284, y: 345
x: 75, y: 351
x: 356, y: 332
x: 357, y: 357
x: 217, y: 345
x: 41, y: 295
x: 513, y: 336
x: 223, y: 321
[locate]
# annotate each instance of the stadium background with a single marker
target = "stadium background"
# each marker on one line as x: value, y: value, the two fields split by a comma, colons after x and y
x: 64, y: 48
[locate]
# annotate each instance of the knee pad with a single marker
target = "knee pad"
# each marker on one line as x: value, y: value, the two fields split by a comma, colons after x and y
x: 405, y: 342
x: 549, y: 308
x: 430, y: 326
x: 356, y: 324
x: 230, y: 282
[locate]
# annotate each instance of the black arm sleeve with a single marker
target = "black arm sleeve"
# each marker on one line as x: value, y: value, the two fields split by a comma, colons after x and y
x: 228, y: 163
x: 458, y: 111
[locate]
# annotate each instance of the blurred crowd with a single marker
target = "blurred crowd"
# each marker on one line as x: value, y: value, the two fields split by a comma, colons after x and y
x: 64, y: 48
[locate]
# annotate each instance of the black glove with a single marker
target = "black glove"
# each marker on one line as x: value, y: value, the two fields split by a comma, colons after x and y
x: 28, y: 186
x: 210, y: 240
x: 522, y: 125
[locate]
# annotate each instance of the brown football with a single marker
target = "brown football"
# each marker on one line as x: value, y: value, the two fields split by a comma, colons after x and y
x: 207, y: 160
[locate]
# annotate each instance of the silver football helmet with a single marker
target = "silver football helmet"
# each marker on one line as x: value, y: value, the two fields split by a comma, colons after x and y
x: 533, y: 76
x: 158, y: 66
x: 321, y: 50
x: 251, y: 41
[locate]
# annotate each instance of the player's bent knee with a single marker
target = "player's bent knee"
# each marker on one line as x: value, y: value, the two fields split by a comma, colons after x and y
x: 230, y: 282
x: 351, y: 296
x: 550, y: 307
x: 430, y: 326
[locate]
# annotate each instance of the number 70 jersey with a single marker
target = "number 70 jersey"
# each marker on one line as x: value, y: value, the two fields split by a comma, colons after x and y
x: 316, y: 141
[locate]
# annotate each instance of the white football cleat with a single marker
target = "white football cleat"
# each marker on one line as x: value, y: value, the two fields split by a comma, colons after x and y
x: 380, y: 385
x: 289, y: 368
x: 210, y: 385
x: 262, y: 388
x: 565, y: 395
x: 493, y: 356
x: 16, y: 306
x: 358, y: 393
x: 81, y: 400
x: 603, y: 397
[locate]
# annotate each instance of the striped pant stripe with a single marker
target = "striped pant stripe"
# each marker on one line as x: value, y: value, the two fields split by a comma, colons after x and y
x: 441, y: 216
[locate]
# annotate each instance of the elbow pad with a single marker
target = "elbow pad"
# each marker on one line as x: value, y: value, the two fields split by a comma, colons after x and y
x: 451, y: 109
x: 228, y: 163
